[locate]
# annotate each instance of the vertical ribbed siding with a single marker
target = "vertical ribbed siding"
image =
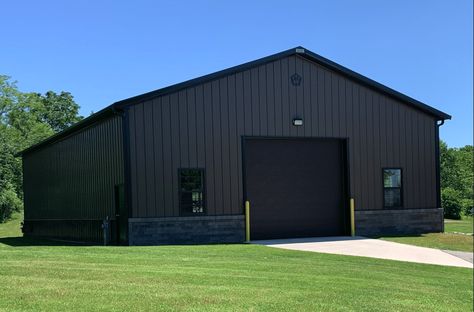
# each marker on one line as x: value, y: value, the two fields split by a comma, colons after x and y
x: 74, y: 179
x: 201, y: 127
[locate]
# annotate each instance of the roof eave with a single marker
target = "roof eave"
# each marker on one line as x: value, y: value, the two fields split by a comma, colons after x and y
x: 301, y: 51
x: 202, y: 79
x: 374, y: 84
x: 103, y: 113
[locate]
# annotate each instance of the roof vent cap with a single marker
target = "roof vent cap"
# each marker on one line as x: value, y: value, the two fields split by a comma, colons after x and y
x: 299, y: 50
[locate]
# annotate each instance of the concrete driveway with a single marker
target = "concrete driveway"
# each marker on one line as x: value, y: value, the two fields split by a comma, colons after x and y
x: 368, y: 247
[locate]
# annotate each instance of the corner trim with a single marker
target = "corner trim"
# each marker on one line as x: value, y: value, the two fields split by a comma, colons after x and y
x: 127, y: 166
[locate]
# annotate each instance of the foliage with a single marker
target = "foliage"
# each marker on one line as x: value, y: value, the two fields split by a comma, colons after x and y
x: 59, y: 111
x: 449, y: 168
x: 9, y: 202
x: 456, y: 172
x: 451, y: 202
x: 26, y: 119
x: 464, y: 157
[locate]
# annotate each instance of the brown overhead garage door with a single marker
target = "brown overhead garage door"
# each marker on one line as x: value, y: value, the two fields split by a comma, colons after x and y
x: 295, y: 187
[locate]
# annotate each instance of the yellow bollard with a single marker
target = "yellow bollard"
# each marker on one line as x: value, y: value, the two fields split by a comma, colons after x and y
x: 352, y: 217
x: 247, y: 221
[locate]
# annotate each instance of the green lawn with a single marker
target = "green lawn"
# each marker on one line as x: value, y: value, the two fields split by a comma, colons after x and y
x: 37, y: 276
x: 465, y: 225
x: 448, y: 240
x: 12, y: 227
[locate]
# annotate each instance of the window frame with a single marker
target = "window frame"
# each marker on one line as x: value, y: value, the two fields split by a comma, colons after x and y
x: 183, y: 213
x: 391, y: 188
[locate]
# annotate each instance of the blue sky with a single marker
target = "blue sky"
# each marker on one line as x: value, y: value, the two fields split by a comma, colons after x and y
x: 104, y: 51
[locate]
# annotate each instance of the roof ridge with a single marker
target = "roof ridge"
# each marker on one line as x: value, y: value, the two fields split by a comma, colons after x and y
x: 299, y: 50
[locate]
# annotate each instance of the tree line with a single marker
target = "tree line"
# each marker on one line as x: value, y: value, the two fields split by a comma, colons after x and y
x: 27, y: 118
x: 457, y: 180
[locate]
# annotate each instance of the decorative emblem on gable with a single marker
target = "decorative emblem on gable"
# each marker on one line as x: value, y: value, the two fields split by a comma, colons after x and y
x: 295, y: 79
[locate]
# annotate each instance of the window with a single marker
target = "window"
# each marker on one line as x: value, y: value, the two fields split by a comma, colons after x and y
x: 191, y: 191
x: 392, y: 187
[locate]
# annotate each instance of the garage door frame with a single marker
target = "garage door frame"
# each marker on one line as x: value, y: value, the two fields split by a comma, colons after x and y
x: 346, y: 191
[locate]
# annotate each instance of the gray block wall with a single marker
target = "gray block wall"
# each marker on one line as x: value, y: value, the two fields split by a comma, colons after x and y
x: 187, y: 230
x: 231, y: 229
x: 400, y: 221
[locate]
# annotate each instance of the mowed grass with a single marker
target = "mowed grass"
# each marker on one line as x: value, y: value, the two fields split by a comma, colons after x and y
x: 449, y: 240
x: 12, y: 227
x: 446, y: 241
x: 465, y: 225
x: 36, y: 276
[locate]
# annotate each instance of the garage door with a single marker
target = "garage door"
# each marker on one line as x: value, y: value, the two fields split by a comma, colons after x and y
x: 295, y: 187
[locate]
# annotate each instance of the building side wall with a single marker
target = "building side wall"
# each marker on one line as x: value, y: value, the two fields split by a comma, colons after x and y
x: 72, y: 182
x: 202, y: 127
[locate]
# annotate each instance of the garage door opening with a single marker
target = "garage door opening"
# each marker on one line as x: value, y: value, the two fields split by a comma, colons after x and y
x: 296, y: 187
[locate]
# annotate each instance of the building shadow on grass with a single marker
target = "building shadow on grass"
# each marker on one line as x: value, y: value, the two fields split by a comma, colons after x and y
x: 21, y: 241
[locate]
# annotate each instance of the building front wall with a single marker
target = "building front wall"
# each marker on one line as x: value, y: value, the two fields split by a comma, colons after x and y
x: 69, y: 185
x: 203, y: 126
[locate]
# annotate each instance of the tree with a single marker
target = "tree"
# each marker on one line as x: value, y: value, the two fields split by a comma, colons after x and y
x: 59, y: 111
x: 26, y: 119
x: 449, y: 167
x: 457, y: 179
x: 464, y: 157
x: 451, y: 202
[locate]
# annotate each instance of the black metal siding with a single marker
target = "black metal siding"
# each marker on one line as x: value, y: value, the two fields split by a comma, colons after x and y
x: 201, y: 126
x: 73, y: 180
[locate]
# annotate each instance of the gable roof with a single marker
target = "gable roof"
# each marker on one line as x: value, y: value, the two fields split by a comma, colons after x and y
x: 117, y: 107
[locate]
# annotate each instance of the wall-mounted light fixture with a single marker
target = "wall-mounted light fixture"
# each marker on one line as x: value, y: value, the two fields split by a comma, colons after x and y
x: 297, y: 122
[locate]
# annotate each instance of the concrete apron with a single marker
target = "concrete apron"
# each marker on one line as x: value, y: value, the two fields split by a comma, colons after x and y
x: 368, y: 247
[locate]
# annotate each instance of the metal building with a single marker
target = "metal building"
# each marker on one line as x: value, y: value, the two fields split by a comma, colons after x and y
x: 295, y: 134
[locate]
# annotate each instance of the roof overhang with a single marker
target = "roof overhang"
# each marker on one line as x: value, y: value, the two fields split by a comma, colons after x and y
x: 86, y: 122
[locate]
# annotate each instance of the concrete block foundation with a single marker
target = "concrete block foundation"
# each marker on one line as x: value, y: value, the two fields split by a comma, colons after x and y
x: 187, y: 230
x: 399, y: 221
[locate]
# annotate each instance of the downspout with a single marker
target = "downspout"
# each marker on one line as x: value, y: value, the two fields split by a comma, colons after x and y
x: 123, y: 112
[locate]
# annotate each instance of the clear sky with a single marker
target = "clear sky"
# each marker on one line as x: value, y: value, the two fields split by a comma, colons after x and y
x: 104, y: 51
